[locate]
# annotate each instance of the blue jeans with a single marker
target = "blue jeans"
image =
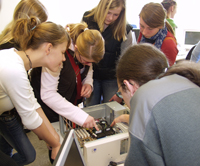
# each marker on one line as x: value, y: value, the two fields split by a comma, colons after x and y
x: 12, y: 135
x: 103, y: 91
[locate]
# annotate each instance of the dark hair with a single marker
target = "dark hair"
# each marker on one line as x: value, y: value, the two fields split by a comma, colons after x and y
x: 185, y: 68
x: 144, y: 62
x: 30, y: 33
x: 168, y: 3
x: 141, y: 63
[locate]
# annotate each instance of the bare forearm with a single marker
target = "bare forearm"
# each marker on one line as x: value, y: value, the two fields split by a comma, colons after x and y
x: 48, y: 124
x: 43, y: 133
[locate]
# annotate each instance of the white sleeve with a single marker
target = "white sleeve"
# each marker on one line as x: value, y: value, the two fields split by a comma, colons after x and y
x: 89, y: 78
x: 18, y: 88
x: 195, y: 56
x: 50, y: 96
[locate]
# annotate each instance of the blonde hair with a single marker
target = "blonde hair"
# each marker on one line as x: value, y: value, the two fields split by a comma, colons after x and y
x: 90, y: 43
x: 100, y: 12
x: 23, y: 9
x: 30, y: 33
x: 154, y: 15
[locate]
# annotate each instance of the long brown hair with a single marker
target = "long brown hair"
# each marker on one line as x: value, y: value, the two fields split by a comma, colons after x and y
x: 30, y: 33
x: 154, y: 16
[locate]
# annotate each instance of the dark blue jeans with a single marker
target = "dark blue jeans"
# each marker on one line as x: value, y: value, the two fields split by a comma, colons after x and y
x: 103, y: 91
x: 12, y: 135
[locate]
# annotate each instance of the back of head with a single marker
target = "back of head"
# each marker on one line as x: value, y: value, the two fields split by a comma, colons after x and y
x: 141, y: 63
x: 100, y: 12
x: 168, y: 3
x: 30, y: 33
x: 23, y: 9
x: 90, y: 43
x: 30, y: 8
x: 154, y: 15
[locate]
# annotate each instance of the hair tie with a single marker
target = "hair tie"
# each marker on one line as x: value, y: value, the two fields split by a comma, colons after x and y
x: 33, y: 28
x: 85, y: 29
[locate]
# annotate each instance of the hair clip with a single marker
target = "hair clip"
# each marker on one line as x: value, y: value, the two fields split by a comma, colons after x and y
x: 33, y: 28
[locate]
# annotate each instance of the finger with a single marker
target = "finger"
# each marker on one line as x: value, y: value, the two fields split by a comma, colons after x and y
x: 112, y: 124
x: 96, y: 127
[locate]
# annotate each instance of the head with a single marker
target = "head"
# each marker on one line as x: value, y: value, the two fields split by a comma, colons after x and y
x: 152, y: 19
x: 25, y: 8
x: 170, y: 6
x: 89, y: 44
x: 30, y: 33
x: 138, y: 65
x: 111, y: 12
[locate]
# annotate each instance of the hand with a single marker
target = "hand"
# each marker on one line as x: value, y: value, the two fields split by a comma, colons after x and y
x: 116, y: 98
x: 121, y: 118
x: 90, y: 123
x: 86, y: 90
x: 55, y: 152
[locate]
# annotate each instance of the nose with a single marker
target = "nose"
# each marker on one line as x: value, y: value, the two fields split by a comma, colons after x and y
x: 144, y: 31
x: 111, y: 17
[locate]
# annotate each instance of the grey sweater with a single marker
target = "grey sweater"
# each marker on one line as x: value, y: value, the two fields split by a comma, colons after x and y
x: 165, y: 124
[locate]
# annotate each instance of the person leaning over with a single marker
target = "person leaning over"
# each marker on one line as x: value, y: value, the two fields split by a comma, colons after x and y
x: 164, y: 120
x: 109, y: 18
x: 156, y: 30
x: 60, y: 92
x: 40, y: 44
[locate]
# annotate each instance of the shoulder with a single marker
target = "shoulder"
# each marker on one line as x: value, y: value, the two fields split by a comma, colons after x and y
x: 170, y: 39
x: 128, y: 28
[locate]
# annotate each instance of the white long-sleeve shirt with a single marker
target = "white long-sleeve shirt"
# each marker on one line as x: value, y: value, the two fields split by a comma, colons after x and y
x: 50, y: 96
x: 15, y: 89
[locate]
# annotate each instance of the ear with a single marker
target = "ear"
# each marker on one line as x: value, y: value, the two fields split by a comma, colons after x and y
x: 172, y: 8
x: 75, y: 46
x: 48, y: 48
x: 132, y: 88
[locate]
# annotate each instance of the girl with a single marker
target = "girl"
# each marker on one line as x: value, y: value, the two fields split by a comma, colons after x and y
x: 60, y: 92
x: 109, y: 18
x: 40, y: 44
x: 155, y: 30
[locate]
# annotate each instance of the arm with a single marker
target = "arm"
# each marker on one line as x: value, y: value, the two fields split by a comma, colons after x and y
x: 50, y: 96
x: 128, y: 42
x: 121, y: 118
x: 22, y: 97
x: 169, y: 48
x: 196, y: 53
x: 87, y: 87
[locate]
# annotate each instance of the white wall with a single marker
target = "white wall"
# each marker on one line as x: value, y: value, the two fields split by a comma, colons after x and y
x: 69, y: 11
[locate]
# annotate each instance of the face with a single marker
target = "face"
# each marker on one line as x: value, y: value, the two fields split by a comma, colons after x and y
x: 57, y: 56
x: 83, y: 60
x: 147, y: 31
x: 125, y: 94
x: 112, y: 15
x: 174, y: 9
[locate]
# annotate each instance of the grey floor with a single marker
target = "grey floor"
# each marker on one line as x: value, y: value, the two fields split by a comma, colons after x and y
x: 42, y: 158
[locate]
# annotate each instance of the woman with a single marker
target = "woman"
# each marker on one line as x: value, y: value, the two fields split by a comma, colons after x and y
x: 155, y: 30
x: 40, y: 44
x: 24, y: 8
x: 60, y: 92
x: 108, y: 17
x: 164, y: 107
x: 171, y: 8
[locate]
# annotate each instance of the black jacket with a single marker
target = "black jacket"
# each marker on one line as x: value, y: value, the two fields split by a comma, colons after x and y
x: 105, y: 69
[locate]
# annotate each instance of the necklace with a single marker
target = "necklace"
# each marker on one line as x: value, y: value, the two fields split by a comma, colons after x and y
x: 30, y: 63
